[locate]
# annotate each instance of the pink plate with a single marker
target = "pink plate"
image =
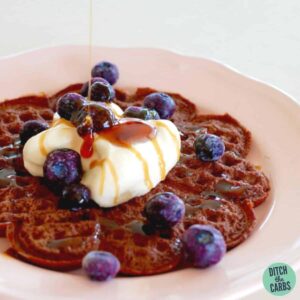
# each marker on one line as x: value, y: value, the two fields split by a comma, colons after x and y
x: 272, y: 117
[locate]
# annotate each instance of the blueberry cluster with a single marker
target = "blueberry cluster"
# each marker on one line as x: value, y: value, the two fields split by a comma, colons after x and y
x: 203, y: 244
x: 87, y: 116
x: 62, y: 173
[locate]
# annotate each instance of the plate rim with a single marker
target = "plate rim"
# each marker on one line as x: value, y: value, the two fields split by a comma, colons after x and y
x: 166, y: 51
x: 226, y: 67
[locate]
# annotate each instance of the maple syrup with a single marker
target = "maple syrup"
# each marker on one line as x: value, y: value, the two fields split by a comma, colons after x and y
x: 6, y: 177
x: 61, y: 121
x: 226, y: 188
x: 173, y: 136
x: 162, y: 165
x: 86, y: 149
x: 65, y: 242
x: 128, y: 132
x: 135, y: 226
x: 9, y: 153
x: 116, y: 180
x: 124, y: 135
x: 42, y: 147
x: 90, y: 46
x: 206, y: 204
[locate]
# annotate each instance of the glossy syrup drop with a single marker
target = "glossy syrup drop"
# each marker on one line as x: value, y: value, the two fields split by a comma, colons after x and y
x: 86, y: 150
x: 128, y: 132
x: 8, y: 156
x: 206, y: 204
x: 228, y: 189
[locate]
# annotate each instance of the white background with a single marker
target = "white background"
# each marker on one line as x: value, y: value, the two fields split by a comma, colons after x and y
x: 260, y: 38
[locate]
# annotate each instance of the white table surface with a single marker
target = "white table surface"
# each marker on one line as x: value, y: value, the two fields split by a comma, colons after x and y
x: 260, y: 38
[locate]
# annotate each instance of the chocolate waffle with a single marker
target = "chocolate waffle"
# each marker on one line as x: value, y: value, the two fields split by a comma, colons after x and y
x: 20, y: 193
x: 232, y: 176
x: 220, y: 193
x: 54, y: 240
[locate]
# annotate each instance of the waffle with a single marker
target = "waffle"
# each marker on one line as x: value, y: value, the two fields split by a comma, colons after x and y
x: 232, y: 176
x: 20, y: 193
x: 54, y: 240
x: 221, y: 194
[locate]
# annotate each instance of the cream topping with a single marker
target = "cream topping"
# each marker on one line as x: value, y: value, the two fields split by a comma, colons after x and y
x: 116, y: 172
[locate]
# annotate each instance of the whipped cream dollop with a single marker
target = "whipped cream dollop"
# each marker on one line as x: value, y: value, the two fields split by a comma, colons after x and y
x: 116, y: 172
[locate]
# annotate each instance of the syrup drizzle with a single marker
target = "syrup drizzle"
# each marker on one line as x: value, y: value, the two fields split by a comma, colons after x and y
x: 90, y: 46
x: 123, y: 134
x: 161, y: 162
x: 116, y: 180
x: 206, y: 204
x: 135, y: 226
x: 7, y: 177
x: 100, y: 164
x: 65, y: 242
x: 145, y: 166
x: 8, y: 154
x: 61, y: 121
x: 226, y: 188
x: 42, y: 146
x: 173, y: 136
x: 11, y: 151
x: 86, y: 149
x: 126, y: 133
x: 76, y: 241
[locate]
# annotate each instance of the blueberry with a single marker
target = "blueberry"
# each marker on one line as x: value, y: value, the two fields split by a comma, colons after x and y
x: 32, y: 128
x: 164, y: 210
x: 141, y: 113
x: 68, y: 104
x: 62, y: 167
x: 85, y: 88
x: 93, y: 118
x: 101, y: 91
x: 100, y: 265
x: 204, y: 245
x: 162, y: 103
x: 107, y: 70
x: 209, y: 147
x: 75, y: 196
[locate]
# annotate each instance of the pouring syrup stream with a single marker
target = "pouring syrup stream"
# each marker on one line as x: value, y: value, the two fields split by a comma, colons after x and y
x: 87, y: 146
x: 90, y: 46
